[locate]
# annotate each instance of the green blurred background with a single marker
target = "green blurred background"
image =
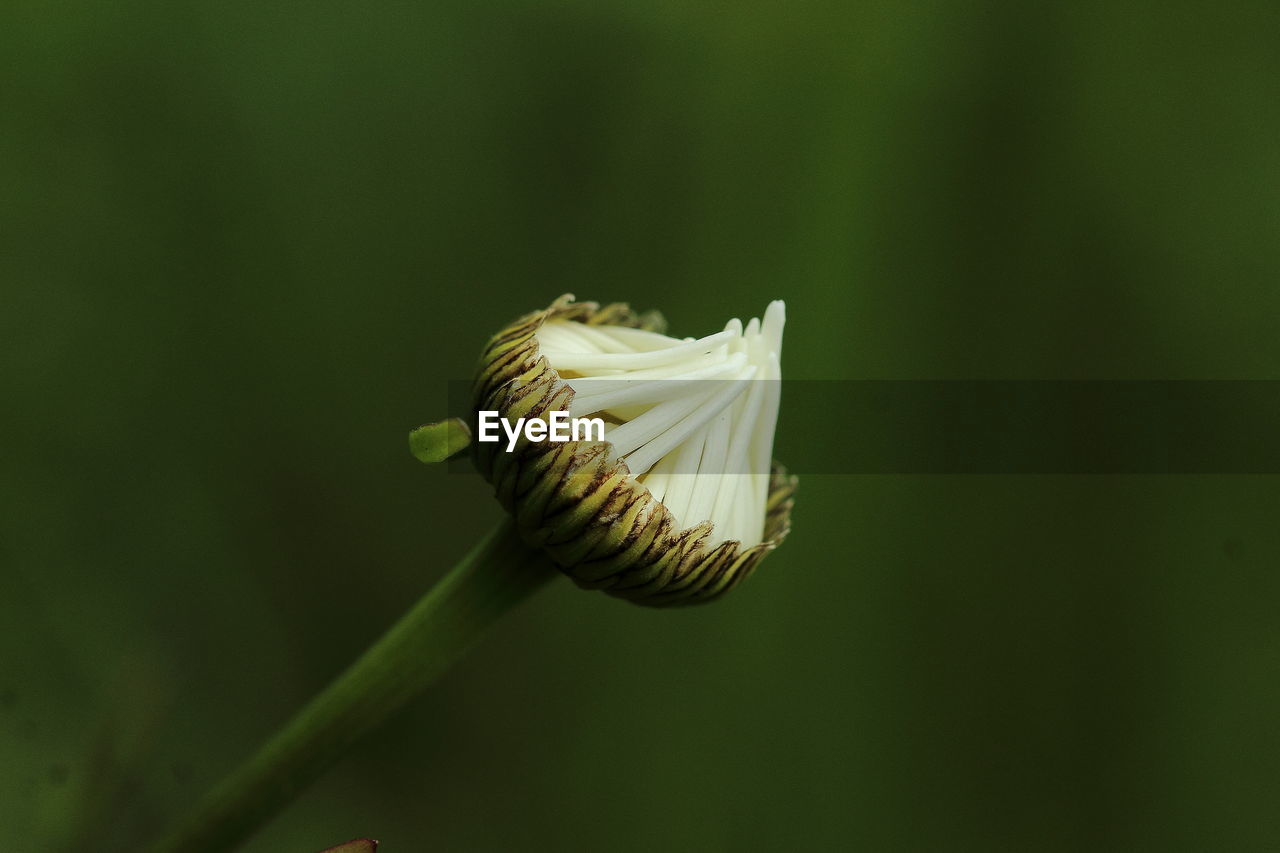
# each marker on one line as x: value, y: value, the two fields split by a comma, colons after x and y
x: 245, y: 245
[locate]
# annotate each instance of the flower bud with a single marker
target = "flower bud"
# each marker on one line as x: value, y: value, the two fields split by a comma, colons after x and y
x: 681, y: 501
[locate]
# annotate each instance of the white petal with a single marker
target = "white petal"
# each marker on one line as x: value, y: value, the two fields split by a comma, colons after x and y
x: 696, y: 417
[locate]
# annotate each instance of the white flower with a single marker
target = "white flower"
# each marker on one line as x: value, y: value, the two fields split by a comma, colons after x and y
x: 693, y: 419
x: 681, y: 501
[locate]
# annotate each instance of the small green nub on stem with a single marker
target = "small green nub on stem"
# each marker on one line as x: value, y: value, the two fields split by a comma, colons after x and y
x: 437, y: 442
x: 499, y: 573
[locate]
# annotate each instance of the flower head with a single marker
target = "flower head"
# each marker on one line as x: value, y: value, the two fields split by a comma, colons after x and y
x: 680, y: 502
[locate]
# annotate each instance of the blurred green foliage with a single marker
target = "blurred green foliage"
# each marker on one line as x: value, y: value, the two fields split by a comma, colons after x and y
x: 243, y: 246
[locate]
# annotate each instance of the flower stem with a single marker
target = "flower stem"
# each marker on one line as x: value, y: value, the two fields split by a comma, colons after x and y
x: 499, y: 573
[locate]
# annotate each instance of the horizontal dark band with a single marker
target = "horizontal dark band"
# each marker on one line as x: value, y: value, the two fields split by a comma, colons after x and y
x: 1023, y: 427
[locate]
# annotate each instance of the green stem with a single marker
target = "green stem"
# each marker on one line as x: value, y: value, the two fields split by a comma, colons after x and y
x: 498, y: 573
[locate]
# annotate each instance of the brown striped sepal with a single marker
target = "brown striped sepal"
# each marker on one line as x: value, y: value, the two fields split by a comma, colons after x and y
x: 581, y: 505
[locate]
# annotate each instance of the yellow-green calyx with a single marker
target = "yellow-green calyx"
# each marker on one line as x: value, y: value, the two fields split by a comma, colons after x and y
x: 640, y: 519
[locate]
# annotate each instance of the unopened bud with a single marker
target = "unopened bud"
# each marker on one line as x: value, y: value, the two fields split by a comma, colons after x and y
x: 681, y: 500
